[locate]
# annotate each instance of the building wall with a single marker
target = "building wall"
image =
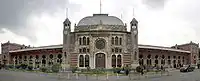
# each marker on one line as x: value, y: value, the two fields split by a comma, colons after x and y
x: 6, y: 47
x: 194, y: 49
x: 30, y: 57
x: 93, y: 36
x: 168, y: 56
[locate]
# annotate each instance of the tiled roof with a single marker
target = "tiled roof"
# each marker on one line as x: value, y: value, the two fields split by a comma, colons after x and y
x: 140, y: 46
x: 37, y: 48
x: 162, y: 48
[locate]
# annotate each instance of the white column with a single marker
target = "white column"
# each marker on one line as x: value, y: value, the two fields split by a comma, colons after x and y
x: 33, y: 62
x: 14, y: 61
x: 92, y: 60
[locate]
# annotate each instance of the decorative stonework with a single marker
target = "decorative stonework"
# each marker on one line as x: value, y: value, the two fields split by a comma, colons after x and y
x: 100, y: 43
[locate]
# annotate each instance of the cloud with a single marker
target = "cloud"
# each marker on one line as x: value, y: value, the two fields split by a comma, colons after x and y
x: 16, y: 14
x: 154, y: 4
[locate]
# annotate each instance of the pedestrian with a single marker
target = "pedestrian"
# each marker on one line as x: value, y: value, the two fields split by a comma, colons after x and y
x: 198, y: 65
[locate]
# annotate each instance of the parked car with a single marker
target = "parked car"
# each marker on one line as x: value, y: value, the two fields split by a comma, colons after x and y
x: 187, y: 68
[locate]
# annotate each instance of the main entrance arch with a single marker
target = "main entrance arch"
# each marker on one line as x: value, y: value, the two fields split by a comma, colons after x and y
x: 100, y: 60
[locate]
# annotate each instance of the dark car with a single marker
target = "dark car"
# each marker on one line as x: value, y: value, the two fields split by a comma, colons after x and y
x: 187, y: 68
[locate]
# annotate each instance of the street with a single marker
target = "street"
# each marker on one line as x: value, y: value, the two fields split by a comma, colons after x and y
x: 28, y: 76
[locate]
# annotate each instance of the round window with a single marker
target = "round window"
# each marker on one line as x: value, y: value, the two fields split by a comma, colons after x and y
x: 100, y: 43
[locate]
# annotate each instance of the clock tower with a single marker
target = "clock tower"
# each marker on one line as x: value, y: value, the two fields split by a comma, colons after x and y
x: 134, y: 43
x: 66, y: 44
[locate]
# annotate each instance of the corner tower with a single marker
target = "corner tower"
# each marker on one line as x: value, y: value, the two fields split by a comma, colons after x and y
x: 134, y: 43
x: 66, y: 43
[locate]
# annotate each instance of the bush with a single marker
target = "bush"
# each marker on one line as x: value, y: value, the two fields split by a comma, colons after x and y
x: 24, y: 66
x: 117, y: 70
x: 74, y: 69
x: 30, y: 68
x: 11, y: 66
x: 56, y: 67
x: 139, y: 69
x: 17, y: 66
x: 43, y: 69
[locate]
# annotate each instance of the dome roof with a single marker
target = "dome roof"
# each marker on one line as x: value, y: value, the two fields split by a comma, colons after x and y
x: 100, y: 19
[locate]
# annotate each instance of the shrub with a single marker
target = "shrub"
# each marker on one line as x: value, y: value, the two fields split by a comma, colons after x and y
x: 43, y: 69
x: 117, y: 70
x: 30, y: 68
x: 74, y: 69
x: 56, y: 67
x: 17, y: 66
x: 139, y: 69
x: 88, y: 68
x: 11, y: 66
x: 24, y: 66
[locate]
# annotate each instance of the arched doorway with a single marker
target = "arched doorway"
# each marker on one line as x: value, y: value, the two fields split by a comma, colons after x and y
x: 100, y: 60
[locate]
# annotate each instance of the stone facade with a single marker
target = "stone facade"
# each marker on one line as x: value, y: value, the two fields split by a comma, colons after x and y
x: 100, y: 41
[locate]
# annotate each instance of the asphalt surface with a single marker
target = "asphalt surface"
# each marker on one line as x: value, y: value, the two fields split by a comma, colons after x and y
x: 28, y: 76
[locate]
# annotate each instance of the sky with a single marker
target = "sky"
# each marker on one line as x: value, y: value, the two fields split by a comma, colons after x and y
x: 39, y: 22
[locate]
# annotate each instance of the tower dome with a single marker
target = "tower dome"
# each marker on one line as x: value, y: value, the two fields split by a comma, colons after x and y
x: 97, y: 19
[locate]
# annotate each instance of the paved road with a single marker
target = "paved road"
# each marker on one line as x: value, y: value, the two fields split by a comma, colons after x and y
x: 27, y: 76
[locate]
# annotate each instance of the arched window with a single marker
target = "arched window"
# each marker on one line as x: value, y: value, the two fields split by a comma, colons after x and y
x: 65, y: 54
x: 116, y: 40
x: 81, y: 61
x: 51, y: 56
x: 80, y: 41
x: 174, y: 61
x: 119, y: 64
x: 113, y: 61
x: 140, y: 56
x: 43, y: 61
x: 37, y: 57
x: 148, y: 61
x: 88, y: 50
x: 112, y: 40
x: 149, y: 56
x: 20, y: 57
x: 156, y: 61
x: 169, y: 61
x: 141, y: 61
x: 179, y: 57
x: 120, y: 41
x: 25, y: 57
x: 87, y: 60
x: 168, y: 57
x: 31, y: 57
x: 59, y: 56
x: 88, y: 40
x: 163, y: 61
x: 183, y: 57
x: 84, y: 40
x: 156, y: 56
x: 80, y: 50
x: 43, y: 56
x: 174, y: 57
x: 116, y: 50
x: 163, y: 56
x: 84, y: 50
x: 113, y: 50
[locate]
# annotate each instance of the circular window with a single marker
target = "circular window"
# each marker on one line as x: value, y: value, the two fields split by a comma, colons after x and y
x: 100, y: 43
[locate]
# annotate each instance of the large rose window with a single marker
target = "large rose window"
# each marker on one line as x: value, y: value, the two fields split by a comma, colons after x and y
x: 100, y: 43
